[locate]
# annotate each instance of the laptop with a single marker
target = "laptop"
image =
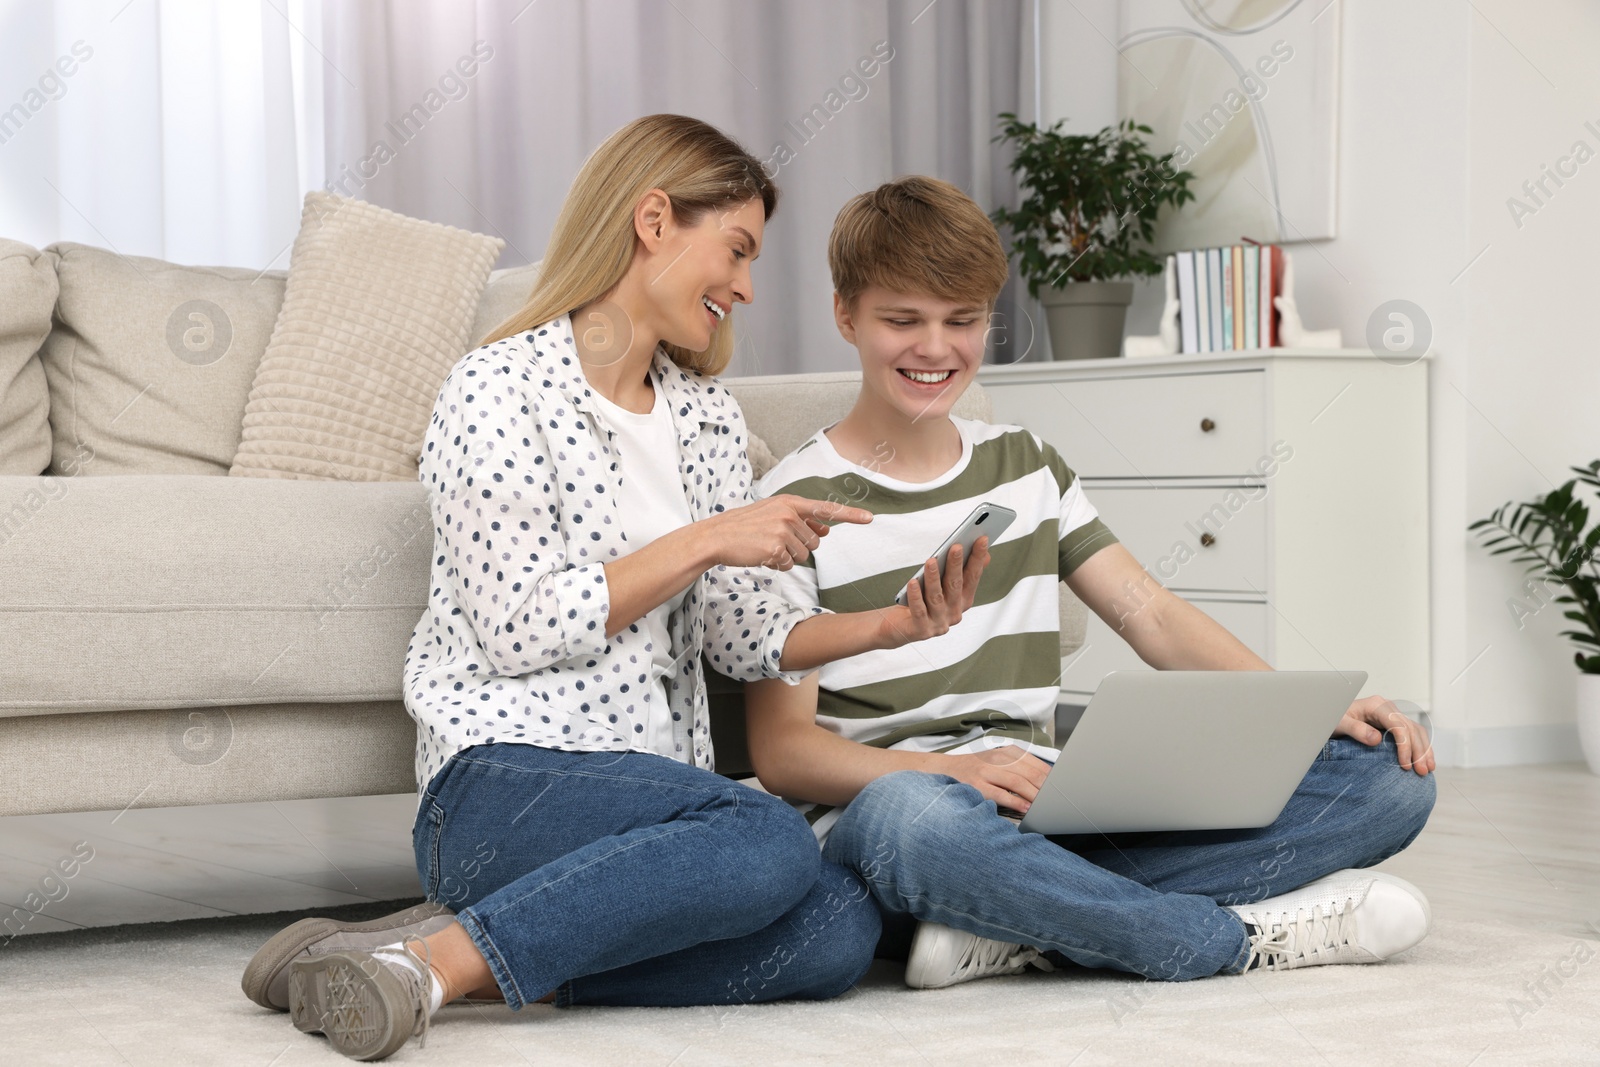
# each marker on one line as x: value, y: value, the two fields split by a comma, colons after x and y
x: 1190, y: 750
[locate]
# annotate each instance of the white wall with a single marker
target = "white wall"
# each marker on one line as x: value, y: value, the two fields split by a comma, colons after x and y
x: 1534, y: 371
x: 1078, y: 64
x: 1445, y: 109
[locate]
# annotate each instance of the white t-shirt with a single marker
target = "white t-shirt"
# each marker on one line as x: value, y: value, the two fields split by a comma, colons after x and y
x: 651, y: 504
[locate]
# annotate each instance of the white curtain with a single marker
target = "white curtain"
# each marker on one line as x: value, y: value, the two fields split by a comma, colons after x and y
x: 499, y: 148
x: 182, y: 130
x: 194, y: 128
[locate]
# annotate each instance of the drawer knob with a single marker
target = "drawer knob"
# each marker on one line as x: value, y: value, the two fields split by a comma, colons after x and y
x: 1206, y: 426
x: 1208, y: 539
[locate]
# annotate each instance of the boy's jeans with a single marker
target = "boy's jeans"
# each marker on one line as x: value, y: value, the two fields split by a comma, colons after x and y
x: 931, y: 848
x: 631, y: 878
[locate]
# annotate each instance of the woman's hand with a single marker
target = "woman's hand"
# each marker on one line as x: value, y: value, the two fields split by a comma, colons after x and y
x: 934, y: 604
x: 1369, y: 718
x: 777, y: 532
x: 1010, y: 776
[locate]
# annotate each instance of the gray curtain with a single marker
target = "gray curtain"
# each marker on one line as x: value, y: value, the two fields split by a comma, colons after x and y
x: 479, y: 114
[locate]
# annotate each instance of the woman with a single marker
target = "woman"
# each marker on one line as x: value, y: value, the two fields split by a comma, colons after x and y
x: 593, y: 530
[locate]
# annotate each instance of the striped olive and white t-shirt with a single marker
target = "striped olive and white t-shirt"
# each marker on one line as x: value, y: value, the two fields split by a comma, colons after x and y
x: 993, y: 679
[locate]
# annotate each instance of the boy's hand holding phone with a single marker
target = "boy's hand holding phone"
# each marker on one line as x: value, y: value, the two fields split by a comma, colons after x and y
x: 936, y: 602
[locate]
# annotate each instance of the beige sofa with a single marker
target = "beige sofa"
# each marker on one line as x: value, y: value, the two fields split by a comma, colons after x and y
x: 170, y: 635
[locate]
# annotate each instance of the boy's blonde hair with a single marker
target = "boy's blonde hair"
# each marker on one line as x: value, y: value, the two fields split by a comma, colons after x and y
x: 699, y: 168
x: 916, y: 235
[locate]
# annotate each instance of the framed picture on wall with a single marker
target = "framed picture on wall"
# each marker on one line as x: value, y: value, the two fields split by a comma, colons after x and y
x: 1246, y: 93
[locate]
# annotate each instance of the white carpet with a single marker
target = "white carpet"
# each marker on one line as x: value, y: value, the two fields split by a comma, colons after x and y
x: 168, y: 993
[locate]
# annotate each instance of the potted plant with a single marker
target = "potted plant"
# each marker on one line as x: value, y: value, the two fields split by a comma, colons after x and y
x: 1086, y: 220
x: 1549, y: 535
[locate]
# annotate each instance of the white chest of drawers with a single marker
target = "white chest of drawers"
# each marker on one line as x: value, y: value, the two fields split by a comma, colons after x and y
x: 1284, y: 493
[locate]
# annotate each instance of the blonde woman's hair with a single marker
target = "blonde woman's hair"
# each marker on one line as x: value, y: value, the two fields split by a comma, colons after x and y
x: 916, y: 235
x: 696, y: 165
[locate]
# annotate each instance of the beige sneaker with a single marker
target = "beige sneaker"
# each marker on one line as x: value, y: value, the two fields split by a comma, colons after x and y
x: 266, y: 977
x: 367, y: 1005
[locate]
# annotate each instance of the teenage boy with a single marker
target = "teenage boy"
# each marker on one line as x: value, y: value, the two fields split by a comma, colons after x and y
x: 901, y: 757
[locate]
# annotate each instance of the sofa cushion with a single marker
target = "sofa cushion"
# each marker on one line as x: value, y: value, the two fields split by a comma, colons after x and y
x: 503, y: 297
x: 377, y: 309
x: 27, y: 296
x: 114, y: 760
x: 150, y: 362
x: 160, y: 591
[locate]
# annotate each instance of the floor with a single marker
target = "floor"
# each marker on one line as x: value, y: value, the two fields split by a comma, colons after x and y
x: 1509, y: 861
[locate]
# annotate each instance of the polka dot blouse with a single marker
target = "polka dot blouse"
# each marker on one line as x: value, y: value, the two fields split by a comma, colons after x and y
x: 523, y: 482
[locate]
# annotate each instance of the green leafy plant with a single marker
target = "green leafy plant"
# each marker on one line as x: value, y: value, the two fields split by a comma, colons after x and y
x: 1088, y: 199
x: 1549, y: 535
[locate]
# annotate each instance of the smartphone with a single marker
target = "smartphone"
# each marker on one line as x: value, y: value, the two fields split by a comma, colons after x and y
x: 986, y: 520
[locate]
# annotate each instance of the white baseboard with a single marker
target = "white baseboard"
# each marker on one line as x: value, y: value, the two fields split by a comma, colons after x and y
x: 1504, y: 746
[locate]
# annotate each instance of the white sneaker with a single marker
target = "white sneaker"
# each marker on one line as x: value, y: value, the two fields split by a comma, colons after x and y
x: 944, y: 956
x: 1351, y: 916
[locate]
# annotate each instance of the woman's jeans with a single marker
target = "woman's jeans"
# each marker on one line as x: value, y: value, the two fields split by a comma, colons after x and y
x: 932, y: 848
x: 631, y: 878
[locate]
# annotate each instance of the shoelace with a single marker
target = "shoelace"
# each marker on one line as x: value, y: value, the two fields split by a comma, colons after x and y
x: 986, y: 956
x: 1306, y: 937
x: 420, y: 987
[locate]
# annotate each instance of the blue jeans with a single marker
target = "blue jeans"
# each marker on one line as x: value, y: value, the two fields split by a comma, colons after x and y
x: 932, y: 849
x: 631, y: 878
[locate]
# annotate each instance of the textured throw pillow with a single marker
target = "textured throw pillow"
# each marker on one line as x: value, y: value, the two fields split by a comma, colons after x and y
x: 27, y: 295
x: 377, y: 309
x: 149, y: 362
x: 761, y: 458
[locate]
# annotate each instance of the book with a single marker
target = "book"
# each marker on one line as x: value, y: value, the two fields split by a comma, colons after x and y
x: 1269, y: 284
x: 1225, y: 296
x: 1227, y: 300
x: 1265, y: 294
x: 1214, y: 281
x: 1277, y: 291
x: 1237, y: 252
x: 1252, y: 296
x: 1188, y: 312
